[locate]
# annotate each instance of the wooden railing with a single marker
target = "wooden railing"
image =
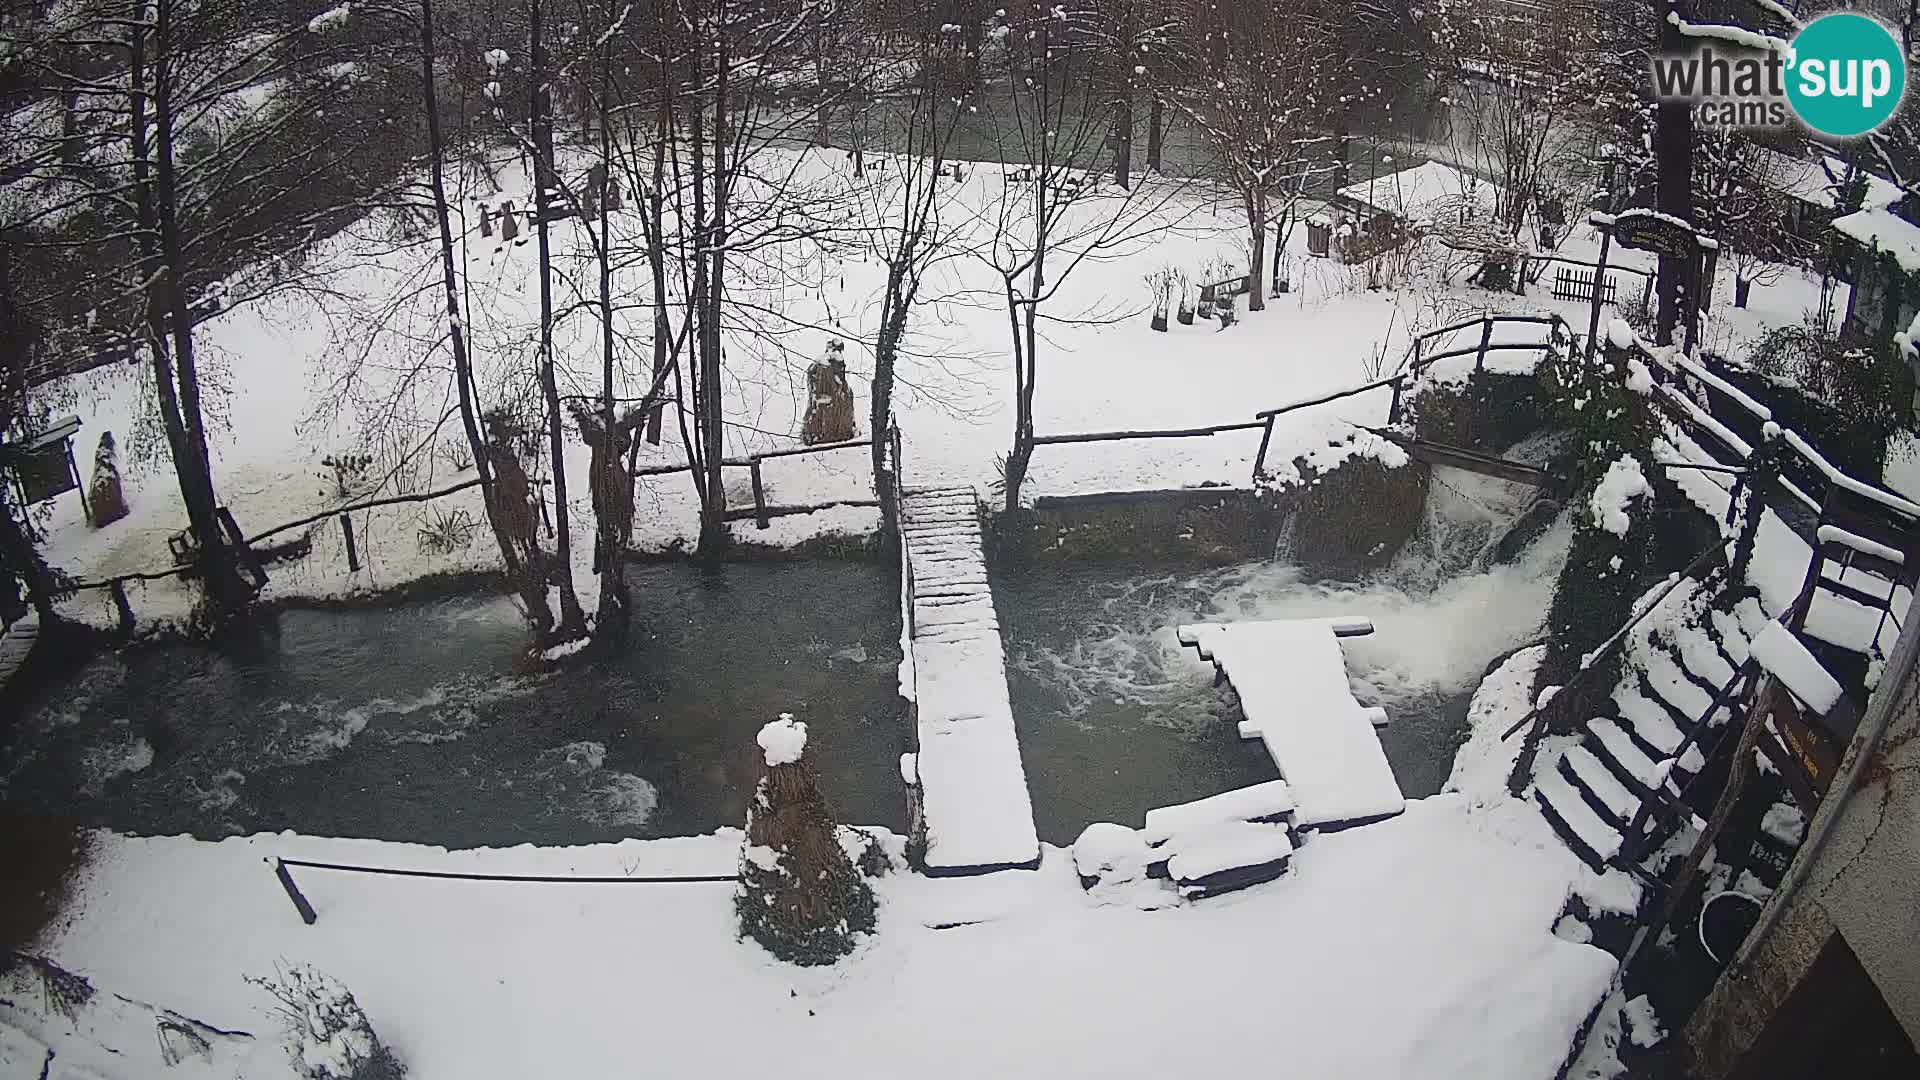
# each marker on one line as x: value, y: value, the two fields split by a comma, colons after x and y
x: 761, y: 513
x: 1414, y: 364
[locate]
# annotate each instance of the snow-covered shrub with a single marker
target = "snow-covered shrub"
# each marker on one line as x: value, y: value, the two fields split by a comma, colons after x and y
x: 351, y: 475
x: 328, y: 1035
x: 443, y: 532
x: 799, y: 895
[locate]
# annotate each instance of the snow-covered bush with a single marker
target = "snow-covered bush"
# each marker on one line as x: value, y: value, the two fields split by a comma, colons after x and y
x: 328, y: 1035
x: 799, y: 895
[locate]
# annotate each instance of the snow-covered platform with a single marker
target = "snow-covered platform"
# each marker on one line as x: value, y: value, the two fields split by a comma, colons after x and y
x: 1292, y: 680
x: 16, y: 644
x: 970, y: 788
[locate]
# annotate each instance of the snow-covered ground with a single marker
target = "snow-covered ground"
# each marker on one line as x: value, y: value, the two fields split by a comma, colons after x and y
x: 1421, y: 946
x: 331, y: 369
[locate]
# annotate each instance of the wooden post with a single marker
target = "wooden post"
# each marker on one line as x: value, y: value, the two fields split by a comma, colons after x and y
x: 300, y: 904
x: 1486, y: 338
x: 1593, y: 315
x: 759, y: 495
x: 118, y: 587
x: 1260, y: 459
x: 353, y: 554
x: 1393, y: 411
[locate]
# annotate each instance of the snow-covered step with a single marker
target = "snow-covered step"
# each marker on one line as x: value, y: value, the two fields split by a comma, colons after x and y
x: 1588, y: 772
x: 1229, y: 856
x: 1675, y: 688
x: 1612, y: 742
x: 1649, y: 720
x: 1732, y: 638
x: 1577, y: 821
x: 1701, y: 655
x: 1268, y: 802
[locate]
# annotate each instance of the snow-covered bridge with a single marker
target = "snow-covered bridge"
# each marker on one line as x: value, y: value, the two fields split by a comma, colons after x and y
x: 969, y: 788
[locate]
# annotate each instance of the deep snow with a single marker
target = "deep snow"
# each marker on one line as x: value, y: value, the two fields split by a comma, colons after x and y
x: 1421, y: 946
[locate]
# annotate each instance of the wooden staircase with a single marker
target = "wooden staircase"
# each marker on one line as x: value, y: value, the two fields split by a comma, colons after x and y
x: 1620, y: 792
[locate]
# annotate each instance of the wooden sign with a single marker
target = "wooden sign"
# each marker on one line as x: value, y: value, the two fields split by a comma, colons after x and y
x: 1813, y: 755
x: 1660, y: 235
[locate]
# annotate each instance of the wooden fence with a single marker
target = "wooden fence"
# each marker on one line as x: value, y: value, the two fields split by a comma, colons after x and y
x: 251, y: 564
x: 1415, y: 363
x: 1578, y: 285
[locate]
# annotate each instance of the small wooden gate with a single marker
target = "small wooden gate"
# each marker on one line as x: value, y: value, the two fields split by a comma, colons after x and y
x: 1569, y: 284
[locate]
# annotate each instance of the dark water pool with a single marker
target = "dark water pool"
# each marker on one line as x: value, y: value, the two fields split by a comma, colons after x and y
x: 412, y: 723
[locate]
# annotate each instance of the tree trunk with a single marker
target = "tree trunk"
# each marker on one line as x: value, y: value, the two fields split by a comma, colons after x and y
x: 1741, y: 287
x: 533, y: 593
x: 657, y: 259
x: 610, y: 624
x: 713, y: 526
x: 573, y: 620
x: 1156, y: 116
x: 1257, y: 257
x: 1673, y: 158
x: 893, y: 326
x: 179, y: 376
x: 1123, y: 138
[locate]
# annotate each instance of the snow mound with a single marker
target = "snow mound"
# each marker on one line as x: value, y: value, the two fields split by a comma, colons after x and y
x: 784, y: 740
x: 1622, y: 483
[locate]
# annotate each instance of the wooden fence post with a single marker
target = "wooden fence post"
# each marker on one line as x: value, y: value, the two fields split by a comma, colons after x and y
x: 759, y: 495
x: 1486, y: 338
x: 1393, y: 412
x: 119, y: 589
x: 353, y: 554
x: 1260, y: 459
x: 300, y: 904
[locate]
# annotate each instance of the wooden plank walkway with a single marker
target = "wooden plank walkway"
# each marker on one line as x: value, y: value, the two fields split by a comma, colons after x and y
x: 1292, y: 680
x: 16, y: 644
x: 975, y: 814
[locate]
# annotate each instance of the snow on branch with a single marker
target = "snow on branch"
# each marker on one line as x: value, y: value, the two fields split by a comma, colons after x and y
x: 330, y: 19
x: 1732, y: 35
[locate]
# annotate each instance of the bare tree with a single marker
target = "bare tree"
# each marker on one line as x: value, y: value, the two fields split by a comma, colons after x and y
x: 524, y: 577
x: 1052, y: 216
x: 908, y: 233
x: 1259, y: 81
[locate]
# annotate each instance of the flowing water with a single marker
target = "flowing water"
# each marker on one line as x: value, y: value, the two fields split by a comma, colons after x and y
x: 410, y: 723
x: 1116, y: 717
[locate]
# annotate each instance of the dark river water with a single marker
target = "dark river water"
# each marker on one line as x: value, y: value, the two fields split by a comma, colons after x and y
x: 411, y: 723
x: 414, y: 723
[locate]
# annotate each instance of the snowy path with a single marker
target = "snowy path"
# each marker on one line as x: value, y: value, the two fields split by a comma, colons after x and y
x: 1292, y: 680
x: 974, y: 803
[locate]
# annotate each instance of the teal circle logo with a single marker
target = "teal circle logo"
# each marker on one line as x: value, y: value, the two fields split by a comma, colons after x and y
x: 1845, y: 75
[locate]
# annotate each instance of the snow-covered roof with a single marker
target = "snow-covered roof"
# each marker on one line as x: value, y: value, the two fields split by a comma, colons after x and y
x: 1886, y: 231
x: 1425, y: 193
x: 1818, y: 182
